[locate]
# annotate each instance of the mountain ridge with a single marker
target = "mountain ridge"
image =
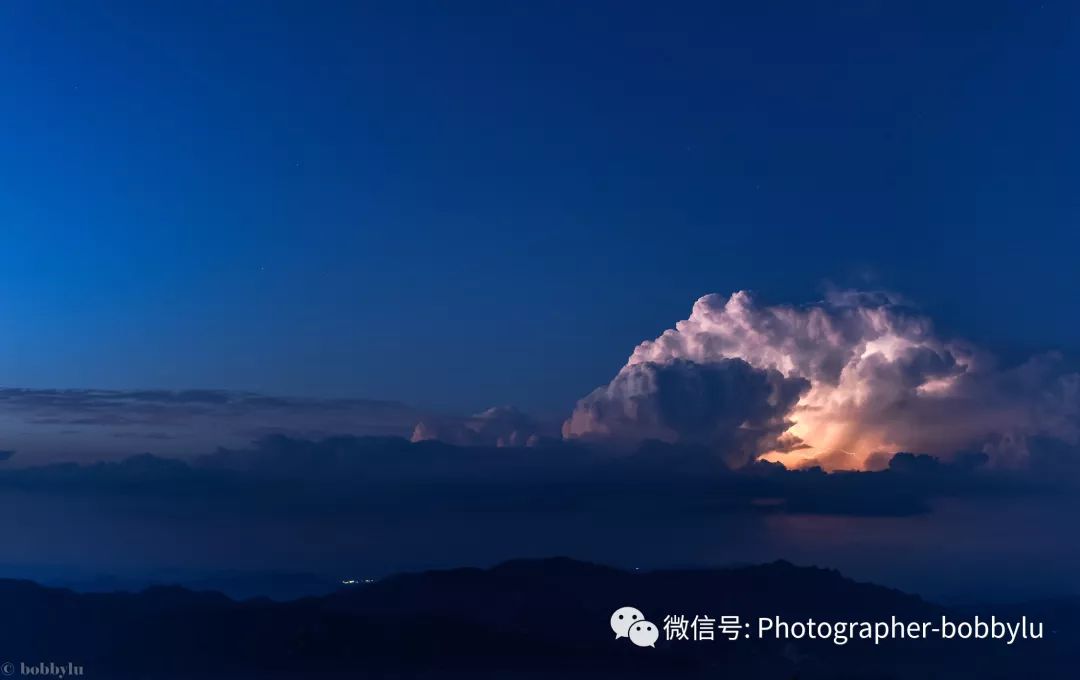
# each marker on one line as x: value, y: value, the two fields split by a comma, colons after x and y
x: 520, y: 618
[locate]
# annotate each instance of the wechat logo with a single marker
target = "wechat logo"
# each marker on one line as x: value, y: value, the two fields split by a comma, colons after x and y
x: 628, y: 622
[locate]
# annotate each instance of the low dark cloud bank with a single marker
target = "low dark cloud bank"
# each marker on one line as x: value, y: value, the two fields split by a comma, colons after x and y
x: 348, y: 507
x: 95, y: 424
x: 346, y: 475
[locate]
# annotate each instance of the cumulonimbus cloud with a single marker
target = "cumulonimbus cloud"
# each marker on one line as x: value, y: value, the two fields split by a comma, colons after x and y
x: 727, y: 404
x: 871, y: 377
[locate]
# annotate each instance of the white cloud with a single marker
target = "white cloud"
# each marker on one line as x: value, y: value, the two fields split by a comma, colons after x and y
x: 880, y: 380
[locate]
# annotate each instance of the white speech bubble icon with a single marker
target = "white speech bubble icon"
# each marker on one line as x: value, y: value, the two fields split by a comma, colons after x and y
x: 644, y: 634
x: 622, y: 619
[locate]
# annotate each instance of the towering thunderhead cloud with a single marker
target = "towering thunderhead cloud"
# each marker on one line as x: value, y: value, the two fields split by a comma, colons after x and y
x: 841, y: 383
x: 727, y: 404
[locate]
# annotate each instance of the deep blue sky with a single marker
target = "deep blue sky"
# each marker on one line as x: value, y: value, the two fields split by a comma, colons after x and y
x: 461, y: 204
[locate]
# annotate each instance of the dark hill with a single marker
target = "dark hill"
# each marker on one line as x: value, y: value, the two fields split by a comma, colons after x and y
x: 525, y: 618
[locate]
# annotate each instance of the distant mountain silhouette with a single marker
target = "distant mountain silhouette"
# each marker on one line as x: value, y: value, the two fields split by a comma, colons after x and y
x: 238, y: 585
x: 524, y: 618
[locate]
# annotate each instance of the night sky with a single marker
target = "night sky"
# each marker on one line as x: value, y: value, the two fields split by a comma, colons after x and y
x: 275, y: 227
x: 482, y: 204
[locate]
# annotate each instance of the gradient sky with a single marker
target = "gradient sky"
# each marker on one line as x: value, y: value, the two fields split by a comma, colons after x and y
x: 463, y: 204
